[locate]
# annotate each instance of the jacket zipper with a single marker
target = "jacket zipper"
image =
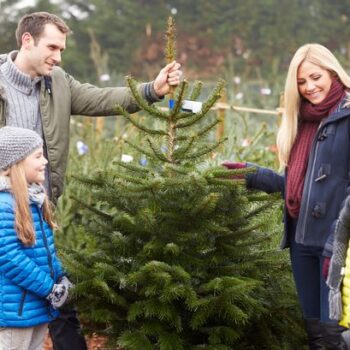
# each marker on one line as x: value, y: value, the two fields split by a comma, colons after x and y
x: 49, y: 257
x: 21, y: 304
x: 44, y: 90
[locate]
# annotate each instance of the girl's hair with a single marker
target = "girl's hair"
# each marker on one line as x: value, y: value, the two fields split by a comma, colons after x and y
x: 23, y: 218
x: 315, y: 54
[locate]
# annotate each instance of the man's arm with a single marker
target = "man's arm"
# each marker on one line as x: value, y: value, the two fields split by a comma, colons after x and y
x: 87, y: 99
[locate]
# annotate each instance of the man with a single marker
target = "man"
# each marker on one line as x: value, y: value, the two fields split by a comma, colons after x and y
x: 37, y: 94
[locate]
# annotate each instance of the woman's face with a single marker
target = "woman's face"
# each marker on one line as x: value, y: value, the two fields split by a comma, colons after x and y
x: 314, y: 82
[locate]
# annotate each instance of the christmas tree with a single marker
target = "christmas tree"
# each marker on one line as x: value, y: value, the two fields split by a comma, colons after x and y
x: 176, y: 253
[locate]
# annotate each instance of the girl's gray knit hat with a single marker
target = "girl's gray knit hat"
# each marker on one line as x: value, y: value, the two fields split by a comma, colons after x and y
x: 16, y: 144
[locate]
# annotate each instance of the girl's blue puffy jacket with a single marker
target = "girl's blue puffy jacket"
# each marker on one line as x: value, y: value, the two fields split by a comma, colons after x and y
x: 27, y: 273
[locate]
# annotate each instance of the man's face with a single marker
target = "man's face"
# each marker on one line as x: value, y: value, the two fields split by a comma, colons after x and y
x: 43, y: 55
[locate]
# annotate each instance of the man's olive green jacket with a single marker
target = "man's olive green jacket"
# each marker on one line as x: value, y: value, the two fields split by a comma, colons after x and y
x: 62, y: 96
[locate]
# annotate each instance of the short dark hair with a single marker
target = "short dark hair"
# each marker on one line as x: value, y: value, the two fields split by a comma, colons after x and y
x: 34, y: 24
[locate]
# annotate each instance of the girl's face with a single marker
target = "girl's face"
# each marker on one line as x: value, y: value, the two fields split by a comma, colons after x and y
x: 314, y: 82
x: 34, y: 166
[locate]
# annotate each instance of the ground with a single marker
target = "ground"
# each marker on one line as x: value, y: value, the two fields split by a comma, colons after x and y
x: 94, y: 343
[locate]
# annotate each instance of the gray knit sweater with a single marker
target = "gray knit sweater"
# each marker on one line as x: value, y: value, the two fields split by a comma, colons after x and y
x: 335, y: 275
x: 22, y: 94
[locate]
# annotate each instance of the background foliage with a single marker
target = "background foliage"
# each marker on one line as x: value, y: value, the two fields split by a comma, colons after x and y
x: 255, y: 38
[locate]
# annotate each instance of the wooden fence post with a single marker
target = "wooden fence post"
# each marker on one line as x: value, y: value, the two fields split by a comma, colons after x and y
x: 99, y: 125
x: 221, y: 113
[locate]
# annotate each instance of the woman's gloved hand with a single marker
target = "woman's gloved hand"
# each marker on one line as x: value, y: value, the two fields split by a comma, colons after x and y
x: 234, y: 166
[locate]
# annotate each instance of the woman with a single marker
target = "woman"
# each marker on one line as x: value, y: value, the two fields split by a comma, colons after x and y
x: 314, y: 151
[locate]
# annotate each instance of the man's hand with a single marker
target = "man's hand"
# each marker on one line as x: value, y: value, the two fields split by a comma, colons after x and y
x: 170, y: 75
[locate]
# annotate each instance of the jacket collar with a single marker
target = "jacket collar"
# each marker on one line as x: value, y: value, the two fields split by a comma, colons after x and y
x: 19, y: 80
x: 341, y: 112
x: 3, y: 58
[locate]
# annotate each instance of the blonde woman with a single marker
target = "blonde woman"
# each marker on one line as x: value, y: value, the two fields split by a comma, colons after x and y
x: 32, y: 282
x: 314, y: 152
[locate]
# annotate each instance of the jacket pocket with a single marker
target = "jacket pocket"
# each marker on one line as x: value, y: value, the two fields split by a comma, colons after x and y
x: 21, y: 303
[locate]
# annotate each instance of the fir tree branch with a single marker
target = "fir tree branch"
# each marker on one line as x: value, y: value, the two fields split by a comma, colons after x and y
x: 177, y: 168
x: 180, y: 152
x: 95, y: 182
x: 140, y: 149
x: 218, y: 229
x: 170, y: 48
x: 132, y: 179
x: 222, y: 172
x: 238, y: 233
x: 153, y: 186
x: 92, y: 209
x: 196, y: 117
x: 196, y: 90
x: 208, y: 128
x: 214, y: 96
x: 226, y: 182
x: 172, y: 123
x: 143, y: 104
x: 261, y: 197
x: 178, y: 104
x: 184, y: 115
x: 185, y: 91
x: 204, y: 150
x: 121, y: 110
x: 206, y: 206
x: 158, y: 152
x: 258, y: 210
x: 254, y: 241
x: 199, y: 133
x: 183, y: 138
x: 132, y: 167
x: 135, y: 340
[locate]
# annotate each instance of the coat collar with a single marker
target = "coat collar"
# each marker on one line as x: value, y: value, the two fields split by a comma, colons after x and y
x: 343, y: 111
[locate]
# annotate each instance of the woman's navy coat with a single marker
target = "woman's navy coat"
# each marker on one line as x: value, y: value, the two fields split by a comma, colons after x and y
x: 327, y: 183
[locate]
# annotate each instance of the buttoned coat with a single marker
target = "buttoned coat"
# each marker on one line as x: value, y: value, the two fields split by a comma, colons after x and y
x: 327, y: 183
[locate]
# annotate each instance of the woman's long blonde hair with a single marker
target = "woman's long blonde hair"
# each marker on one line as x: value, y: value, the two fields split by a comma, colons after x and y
x: 23, y: 218
x: 320, y: 56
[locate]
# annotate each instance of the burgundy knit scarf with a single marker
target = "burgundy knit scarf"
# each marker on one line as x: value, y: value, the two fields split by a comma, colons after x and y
x: 310, y: 118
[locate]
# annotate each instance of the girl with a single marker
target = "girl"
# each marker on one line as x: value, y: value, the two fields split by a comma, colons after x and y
x: 314, y: 151
x: 32, y: 282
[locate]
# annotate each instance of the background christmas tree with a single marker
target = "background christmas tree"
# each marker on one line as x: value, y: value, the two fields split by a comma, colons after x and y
x: 176, y: 249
